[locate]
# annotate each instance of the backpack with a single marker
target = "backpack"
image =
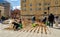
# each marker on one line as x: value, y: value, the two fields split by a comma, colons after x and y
x: 20, y: 25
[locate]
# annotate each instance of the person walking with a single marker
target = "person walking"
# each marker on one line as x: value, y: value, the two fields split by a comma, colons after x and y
x: 51, y: 20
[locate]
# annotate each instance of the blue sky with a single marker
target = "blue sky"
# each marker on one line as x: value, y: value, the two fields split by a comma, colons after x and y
x: 15, y: 3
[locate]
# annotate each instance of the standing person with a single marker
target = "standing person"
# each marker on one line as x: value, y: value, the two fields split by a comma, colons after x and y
x: 33, y: 19
x: 51, y: 19
x: 56, y: 21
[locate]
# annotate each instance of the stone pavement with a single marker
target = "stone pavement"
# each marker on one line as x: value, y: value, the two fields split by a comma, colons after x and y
x: 23, y: 33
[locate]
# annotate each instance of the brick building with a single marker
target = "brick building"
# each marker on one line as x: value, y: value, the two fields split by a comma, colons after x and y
x: 4, y: 8
x: 31, y: 7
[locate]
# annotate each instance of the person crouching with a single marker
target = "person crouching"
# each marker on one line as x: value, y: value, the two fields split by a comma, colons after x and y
x: 16, y: 25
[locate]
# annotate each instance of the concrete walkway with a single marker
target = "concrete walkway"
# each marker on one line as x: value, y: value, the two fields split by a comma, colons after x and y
x: 30, y: 33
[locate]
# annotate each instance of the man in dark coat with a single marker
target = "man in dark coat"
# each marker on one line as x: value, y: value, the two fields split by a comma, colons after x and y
x: 51, y: 19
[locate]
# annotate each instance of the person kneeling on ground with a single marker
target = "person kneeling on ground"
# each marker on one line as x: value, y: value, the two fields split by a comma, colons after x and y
x: 16, y: 25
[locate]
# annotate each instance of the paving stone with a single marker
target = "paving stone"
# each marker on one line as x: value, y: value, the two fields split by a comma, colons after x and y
x: 27, y: 33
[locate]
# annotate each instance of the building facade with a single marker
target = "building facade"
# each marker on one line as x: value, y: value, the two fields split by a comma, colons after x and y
x: 15, y: 13
x: 4, y: 8
x: 1, y: 11
x: 39, y: 7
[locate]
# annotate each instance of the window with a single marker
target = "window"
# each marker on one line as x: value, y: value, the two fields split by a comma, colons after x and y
x: 24, y: 5
x: 24, y: 9
x: 39, y: 4
x: 45, y: 8
x: 38, y: 8
x: 30, y: 9
x: 56, y: 1
x: 30, y: 4
x: 46, y: 3
x: 24, y: 0
x: 56, y: 8
x: 3, y: 3
x: 0, y: 10
x: 30, y: 0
